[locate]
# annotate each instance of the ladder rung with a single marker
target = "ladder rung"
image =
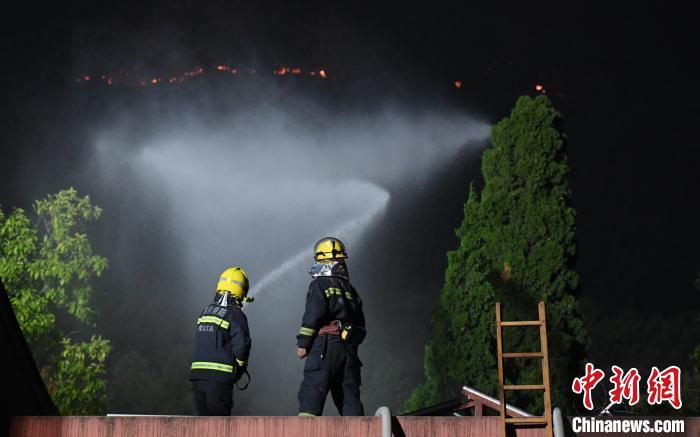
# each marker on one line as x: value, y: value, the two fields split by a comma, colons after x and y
x: 522, y: 355
x: 525, y: 323
x: 526, y: 420
x: 524, y: 387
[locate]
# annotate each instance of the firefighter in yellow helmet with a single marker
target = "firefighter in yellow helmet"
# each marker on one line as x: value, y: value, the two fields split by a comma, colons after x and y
x: 332, y: 328
x: 221, y: 345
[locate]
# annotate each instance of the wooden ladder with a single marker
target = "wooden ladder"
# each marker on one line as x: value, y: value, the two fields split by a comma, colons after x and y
x: 547, y: 418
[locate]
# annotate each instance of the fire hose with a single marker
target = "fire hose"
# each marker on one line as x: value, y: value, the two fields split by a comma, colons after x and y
x: 385, y: 415
x: 246, y: 384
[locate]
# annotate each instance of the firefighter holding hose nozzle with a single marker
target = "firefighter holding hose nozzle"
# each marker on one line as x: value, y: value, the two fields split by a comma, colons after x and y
x: 332, y: 328
x: 221, y: 345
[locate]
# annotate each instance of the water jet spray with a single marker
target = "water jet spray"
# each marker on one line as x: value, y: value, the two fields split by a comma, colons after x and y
x: 346, y: 231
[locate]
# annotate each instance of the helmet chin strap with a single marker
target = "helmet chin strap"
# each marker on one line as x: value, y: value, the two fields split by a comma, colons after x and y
x: 224, y: 300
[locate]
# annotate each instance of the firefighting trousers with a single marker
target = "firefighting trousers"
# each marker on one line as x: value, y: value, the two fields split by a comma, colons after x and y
x: 212, y: 398
x: 331, y: 365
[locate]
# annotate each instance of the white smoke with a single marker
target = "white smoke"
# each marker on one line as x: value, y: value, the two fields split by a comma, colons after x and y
x: 258, y: 185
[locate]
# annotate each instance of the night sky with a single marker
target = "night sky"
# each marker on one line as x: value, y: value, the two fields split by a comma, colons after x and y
x: 625, y: 78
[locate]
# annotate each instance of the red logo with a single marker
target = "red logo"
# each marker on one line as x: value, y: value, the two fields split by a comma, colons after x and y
x: 662, y: 386
x: 665, y: 386
x: 587, y: 383
x: 626, y: 386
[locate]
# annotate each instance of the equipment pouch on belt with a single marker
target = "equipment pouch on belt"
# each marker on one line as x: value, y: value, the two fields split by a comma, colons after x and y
x: 352, y: 334
x: 345, y: 332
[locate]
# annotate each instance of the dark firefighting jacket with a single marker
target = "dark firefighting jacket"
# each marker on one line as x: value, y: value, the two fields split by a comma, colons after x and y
x: 221, y: 344
x: 331, y: 298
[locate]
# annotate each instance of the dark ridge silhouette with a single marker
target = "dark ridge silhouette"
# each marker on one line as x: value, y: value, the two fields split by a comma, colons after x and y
x: 23, y: 391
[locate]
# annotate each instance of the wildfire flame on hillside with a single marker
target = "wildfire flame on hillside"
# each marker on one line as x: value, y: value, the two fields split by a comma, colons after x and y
x: 124, y: 78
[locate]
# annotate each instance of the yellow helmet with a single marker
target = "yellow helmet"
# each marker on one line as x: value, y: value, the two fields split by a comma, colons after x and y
x: 329, y: 248
x: 234, y: 281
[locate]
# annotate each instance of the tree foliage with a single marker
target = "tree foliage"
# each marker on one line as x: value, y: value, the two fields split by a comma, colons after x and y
x: 77, y: 385
x: 517, y: 247
x: 691, y: 394
x: 46, y: 266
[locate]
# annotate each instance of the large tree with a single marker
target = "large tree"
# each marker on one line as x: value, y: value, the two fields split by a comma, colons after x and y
x: 46, y: 266
x: 517, y: 247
